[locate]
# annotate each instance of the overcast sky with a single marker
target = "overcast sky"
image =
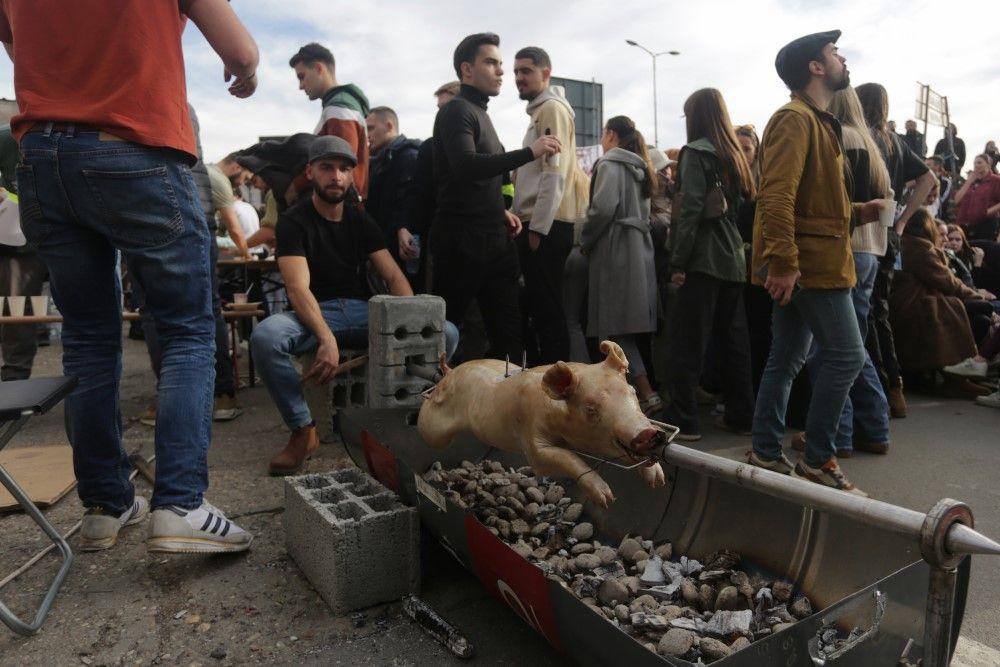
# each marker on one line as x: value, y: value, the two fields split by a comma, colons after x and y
x: 399, y: 52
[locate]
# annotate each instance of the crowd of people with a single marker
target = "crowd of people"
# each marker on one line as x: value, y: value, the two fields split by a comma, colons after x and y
x: 793, y: 278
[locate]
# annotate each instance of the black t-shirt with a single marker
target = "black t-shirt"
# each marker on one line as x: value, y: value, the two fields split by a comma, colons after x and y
x: 904, y: 165
x: 335, y: 251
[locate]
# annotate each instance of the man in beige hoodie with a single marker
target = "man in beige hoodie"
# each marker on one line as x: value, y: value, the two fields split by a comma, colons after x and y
x: 550, y: 197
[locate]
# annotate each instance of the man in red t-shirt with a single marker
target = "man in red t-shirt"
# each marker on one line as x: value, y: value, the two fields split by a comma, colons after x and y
x: 106, y: 143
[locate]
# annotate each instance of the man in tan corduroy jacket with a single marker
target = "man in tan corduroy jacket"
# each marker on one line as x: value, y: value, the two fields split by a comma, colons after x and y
x: 802, y: 256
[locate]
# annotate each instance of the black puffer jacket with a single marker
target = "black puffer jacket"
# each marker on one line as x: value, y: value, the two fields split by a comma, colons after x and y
x: 390, y: 178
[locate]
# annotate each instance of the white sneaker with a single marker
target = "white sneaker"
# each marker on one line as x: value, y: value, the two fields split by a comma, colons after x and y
x: 100, y: 531
x: 990, y: 400
x: 204, y: 530
x: 969, y: 368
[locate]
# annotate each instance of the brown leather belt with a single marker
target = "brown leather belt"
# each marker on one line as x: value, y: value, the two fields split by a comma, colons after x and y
x: 62, y: 126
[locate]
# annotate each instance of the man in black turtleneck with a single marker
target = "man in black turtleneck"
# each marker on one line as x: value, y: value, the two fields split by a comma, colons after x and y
x: 472, y: 236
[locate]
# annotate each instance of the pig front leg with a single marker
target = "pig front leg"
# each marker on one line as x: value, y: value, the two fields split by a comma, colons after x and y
x: 552, y: 461
x: 653, y: 475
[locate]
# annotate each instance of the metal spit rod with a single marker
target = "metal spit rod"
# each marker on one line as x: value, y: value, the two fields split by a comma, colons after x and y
x: 960, y: 539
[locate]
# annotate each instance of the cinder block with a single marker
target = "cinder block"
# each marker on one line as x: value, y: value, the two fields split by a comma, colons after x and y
x: 352, y: 538
x: 343, y: 391
x: 405, y: 314
x: 392, y: 387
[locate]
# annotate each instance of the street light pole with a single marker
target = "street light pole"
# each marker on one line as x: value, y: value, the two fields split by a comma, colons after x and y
x: 654, y: 56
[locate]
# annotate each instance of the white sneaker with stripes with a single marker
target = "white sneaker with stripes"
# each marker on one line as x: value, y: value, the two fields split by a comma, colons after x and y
x: 204, y: 530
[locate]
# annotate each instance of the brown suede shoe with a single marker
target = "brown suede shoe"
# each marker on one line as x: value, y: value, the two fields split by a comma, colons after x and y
x: 301, y: 445
x: 897, y: 402
x: 799, y: 445
x: 959, y: 387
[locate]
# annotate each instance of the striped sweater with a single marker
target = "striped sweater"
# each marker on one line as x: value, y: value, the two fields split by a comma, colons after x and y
x: 344, y: 111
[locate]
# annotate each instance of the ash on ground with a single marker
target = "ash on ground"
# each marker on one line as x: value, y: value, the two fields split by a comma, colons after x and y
x: 692, y: 609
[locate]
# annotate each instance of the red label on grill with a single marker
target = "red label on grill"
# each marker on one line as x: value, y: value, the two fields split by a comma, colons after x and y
x: 381, y: 461
x: 512, y: 579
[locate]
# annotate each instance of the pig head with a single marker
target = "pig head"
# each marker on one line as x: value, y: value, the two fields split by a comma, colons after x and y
x: 551, y: 414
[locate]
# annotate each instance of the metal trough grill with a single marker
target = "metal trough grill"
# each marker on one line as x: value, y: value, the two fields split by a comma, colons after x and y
x: 898, y: 575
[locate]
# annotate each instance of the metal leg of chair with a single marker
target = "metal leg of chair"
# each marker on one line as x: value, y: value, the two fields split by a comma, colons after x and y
x: 6, y: 615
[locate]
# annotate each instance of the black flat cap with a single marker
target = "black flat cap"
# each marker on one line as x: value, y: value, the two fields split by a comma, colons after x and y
x: 330, y: 146
x: 793, y: 59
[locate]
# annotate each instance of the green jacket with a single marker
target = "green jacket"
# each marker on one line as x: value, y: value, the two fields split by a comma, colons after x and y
x: 712, y: 247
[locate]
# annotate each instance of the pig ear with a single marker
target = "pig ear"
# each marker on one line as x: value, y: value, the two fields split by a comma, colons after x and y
x: 614, y: 356
x: 559, y: 381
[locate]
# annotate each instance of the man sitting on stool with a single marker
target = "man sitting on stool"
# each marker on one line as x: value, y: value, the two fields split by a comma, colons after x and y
x: 323, y: 244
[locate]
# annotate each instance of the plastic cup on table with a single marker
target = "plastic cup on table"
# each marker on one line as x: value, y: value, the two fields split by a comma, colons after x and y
x: 239, y: 297
x: 16, y: 305
x: 39, y: 306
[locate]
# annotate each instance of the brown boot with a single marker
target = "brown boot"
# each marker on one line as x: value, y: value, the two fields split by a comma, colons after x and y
x: 303, y: 444
x: 960, y: 387
x: 897, y: 402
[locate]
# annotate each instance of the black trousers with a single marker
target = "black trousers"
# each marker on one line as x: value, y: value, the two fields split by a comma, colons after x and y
x: 708, y: 309
x: 880, y: 342
x: 482, y: 265
x: 546, y: 337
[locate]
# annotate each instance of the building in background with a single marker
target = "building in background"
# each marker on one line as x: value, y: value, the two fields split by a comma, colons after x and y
x: 587, y: 100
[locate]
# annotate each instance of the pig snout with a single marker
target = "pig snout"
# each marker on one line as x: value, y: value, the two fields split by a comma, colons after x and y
x: 647, y: 439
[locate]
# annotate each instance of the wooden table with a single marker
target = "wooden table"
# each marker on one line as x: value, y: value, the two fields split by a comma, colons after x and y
x: 232, y: 317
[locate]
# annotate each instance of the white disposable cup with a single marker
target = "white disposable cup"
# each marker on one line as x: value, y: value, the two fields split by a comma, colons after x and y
x: 887, y: 216
x: 39, y: 306
x: 16, y: 304
x: 239, y: 297
x: 3, y: 300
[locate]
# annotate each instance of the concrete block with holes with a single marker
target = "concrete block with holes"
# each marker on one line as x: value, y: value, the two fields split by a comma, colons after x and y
x: 402, y: 331
x: 343, y: 391
x: 352, y: 538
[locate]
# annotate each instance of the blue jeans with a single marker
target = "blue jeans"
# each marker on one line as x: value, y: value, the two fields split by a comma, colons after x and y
x: 866, y: 411
x: 828, y: 315
x: 280, y: 337
x: 82, y: 201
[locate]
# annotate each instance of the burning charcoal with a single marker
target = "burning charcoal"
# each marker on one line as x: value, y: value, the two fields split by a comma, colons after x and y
x: 468, y: 465
x: 582, y: 548
x: 564, y: 501
x: 621, y: 613
x: 530, y: 510
x: 642, y: 603
x: 649, y: 621
x: 573, y: 512
x: 801, y: 608
x: 729, y: 623
x: 764, y: 595
x: 506, y: 490
x: 583, y: 531
x: 664, y: 551
x: 690, y: 566
x: 541, y: 553
x: 706, y: 596
x: 713, y: 576
x: 728, y: 598
x: 554, y: 494
x: 493, y: 466
x: 540, y: 529
x: 779, y: 614
x: 494, y: 531
x: 504, y: 528
x: 535, y: 495
x: 742, y: 583
x: 740, y: 644
x: 652, y: 574
x: 628, y: 549
x: 434, y: 477
x: 782, y: 591
x: 506, y: 512
x: 586, y: 562
x: 781, y: 626
x: 690, y: 624
x: 632, y: 584
x: 665, y: 592
x: 689, y: 591
x: 669, y: 612
x: 676, y: 642
x: 514, y: 504
x: 519, y: 527
x: 606, y: 554
x: 527, y: 482
x: 612, y: 592
x: 713, y: 649
x: 613, y: 571
x: 722, y: 560
x: 522, y: 549
x: 547, y: 513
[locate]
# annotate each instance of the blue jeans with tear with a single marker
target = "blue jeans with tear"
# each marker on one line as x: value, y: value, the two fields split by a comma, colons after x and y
x: 85, y: 197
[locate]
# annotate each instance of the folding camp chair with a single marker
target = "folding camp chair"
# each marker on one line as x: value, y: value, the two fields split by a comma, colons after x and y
x: 20, y: 400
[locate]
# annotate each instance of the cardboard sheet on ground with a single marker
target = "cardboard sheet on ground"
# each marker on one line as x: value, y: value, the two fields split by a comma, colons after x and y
x: 44, y: 472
